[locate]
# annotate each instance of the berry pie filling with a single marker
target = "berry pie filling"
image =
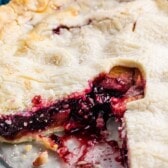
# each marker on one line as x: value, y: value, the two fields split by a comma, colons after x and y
x: 82, y: 115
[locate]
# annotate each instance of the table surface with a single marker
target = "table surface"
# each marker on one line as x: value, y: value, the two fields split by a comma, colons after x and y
x: 3, y: 1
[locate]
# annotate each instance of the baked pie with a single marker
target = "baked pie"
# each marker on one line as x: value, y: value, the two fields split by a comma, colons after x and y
x: 70, y: 66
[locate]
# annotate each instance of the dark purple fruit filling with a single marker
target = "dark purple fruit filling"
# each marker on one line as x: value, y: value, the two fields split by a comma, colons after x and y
x: 83, y: 115
x: 58, y: 29
x: 107, y: 99
x: 90, y: 111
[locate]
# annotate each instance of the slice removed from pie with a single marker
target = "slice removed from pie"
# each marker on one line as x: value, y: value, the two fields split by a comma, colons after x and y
x: 83, y: 116
x: 105, y: 97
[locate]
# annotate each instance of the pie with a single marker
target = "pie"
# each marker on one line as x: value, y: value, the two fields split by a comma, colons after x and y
x: 69, y: 66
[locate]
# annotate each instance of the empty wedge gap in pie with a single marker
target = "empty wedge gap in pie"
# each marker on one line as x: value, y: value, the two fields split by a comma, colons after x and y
x: 80, y: 115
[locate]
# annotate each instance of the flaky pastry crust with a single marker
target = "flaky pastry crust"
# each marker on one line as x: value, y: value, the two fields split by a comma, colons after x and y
x: 53, y: 47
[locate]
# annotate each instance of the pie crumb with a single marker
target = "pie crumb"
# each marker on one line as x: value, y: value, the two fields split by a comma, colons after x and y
x: 28, y: 148
x: 24, y: 156
x: 41, y: 159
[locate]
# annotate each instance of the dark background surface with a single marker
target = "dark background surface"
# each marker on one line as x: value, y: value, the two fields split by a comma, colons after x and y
x: 3, y: 1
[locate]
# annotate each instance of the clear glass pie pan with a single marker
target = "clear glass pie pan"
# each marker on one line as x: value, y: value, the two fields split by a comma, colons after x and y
x: 15, y: 156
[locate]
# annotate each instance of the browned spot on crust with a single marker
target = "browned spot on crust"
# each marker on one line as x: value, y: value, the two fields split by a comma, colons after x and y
x: 41, y: 159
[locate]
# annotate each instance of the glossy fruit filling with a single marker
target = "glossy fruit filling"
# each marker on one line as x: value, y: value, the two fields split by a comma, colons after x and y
x: 106, y: 98
x: 83, y: 116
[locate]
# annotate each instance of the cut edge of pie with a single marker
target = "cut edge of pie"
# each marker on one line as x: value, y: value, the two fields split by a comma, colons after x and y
x: 16, y: 128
